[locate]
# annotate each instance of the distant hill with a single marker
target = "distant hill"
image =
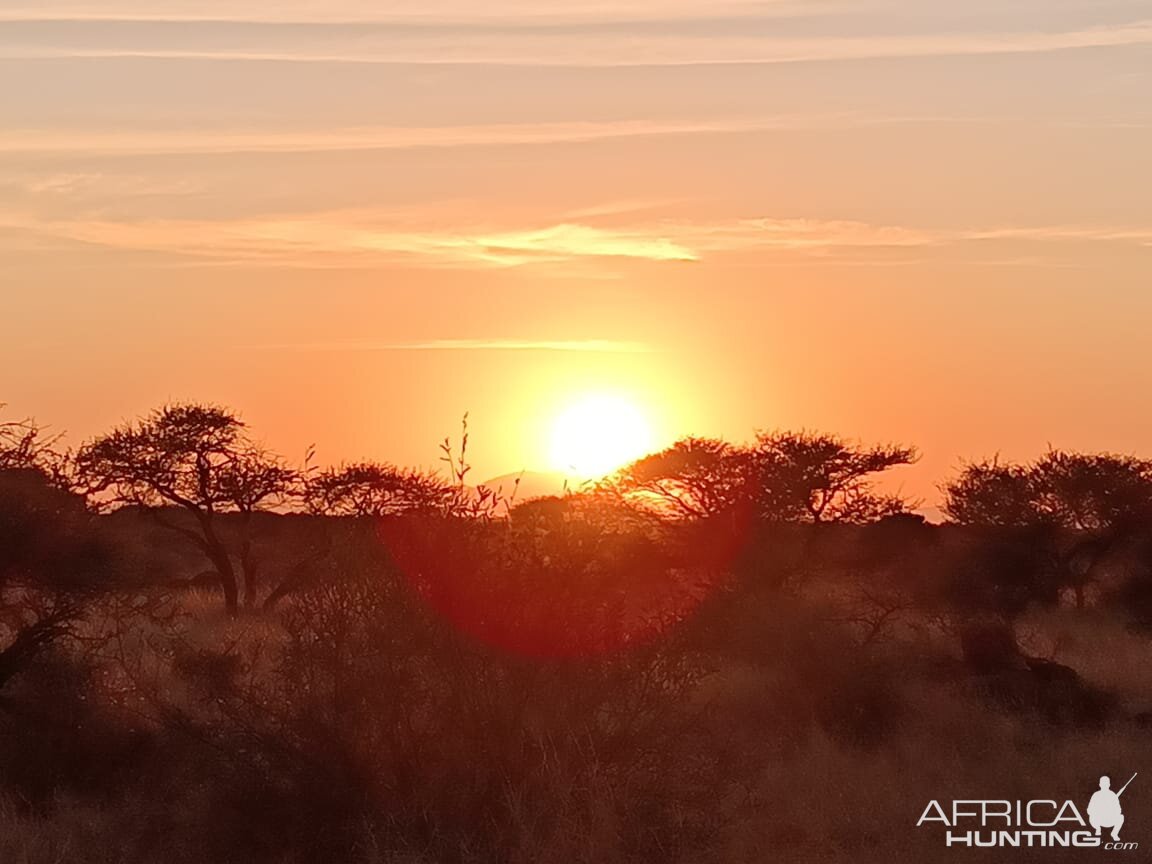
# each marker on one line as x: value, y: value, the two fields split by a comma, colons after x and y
x: 533, y: 484
x: 932, y: 514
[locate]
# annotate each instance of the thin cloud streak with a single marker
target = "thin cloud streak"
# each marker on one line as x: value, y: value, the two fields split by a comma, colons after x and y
x: 568, y: 50
x: 452, y: 12
x: 225, y: 142
x: 359, y: 240
x: 816, y: 234
x: 289, y: 240
x: 192, y: 142
x: 591, y: 346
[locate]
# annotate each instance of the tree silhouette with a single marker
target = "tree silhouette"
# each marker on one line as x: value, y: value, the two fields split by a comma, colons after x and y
x: 1101, y: 499
x: 784, y: 477
x: 51, y: 564
x: 694, y: 478
x: 991, y: 493
x: 813, y: 477
x: 24, y: 444
x: 20, y: 444
x: 1086, y: 492
x: 200, y: 459
x: 376, y: 489
x: 1092, y: 492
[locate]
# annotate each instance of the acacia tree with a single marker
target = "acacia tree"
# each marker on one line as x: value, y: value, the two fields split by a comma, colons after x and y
x: 46, y: 563
x: 1099, y: 499
x: 52, y: 564
x: 783, y: 477
x: 694, y: 478
x: 21, y: 444
x: 992, y: 493
x: 25, y: 445
x: 198, y: 458
x: 1093, y: 492
x: 376, y: 489
x: 813, y: 477
x: 1078, y: 491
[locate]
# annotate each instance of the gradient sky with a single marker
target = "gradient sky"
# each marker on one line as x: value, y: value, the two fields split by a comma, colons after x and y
x: 353, y: 220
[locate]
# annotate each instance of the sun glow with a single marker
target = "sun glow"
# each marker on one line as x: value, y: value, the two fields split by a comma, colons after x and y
x: 597, y: 434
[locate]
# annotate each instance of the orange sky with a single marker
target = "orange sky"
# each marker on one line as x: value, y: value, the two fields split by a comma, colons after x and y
x: 353, y: 222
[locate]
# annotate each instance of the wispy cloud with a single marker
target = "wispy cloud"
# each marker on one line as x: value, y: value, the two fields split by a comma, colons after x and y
x: 93, y: 142
x: 1139, y: 236
x: 458, y: 12
x: 825, y: 234
x: 360, y: 240
x: 593, y: 346
x: 800, y: 234
x: 90, y: 185
x: 356, y: 241
x: 564, y: 48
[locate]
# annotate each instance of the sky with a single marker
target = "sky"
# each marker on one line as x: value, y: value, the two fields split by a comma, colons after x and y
x: 353, y: 221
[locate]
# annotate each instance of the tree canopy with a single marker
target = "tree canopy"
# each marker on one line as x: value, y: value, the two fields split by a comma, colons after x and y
x: 376, y: 489
x: 782, y: 477
x: 1088, y: 492
x: 198, y: 458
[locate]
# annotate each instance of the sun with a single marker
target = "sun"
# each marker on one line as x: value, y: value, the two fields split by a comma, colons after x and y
x: 598, y: 433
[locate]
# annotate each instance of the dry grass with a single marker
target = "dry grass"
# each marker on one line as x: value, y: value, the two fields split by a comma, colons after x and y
x: 756, y: 773
x: 1099, y: 646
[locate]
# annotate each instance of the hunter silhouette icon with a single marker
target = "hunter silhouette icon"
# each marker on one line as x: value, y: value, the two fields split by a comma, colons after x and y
x: 1104, y: 809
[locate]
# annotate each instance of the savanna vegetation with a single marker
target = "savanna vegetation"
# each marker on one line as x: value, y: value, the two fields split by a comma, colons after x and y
x: 722, y: 652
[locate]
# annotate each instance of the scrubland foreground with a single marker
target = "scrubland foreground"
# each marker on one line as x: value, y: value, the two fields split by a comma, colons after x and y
x: 721, y: 653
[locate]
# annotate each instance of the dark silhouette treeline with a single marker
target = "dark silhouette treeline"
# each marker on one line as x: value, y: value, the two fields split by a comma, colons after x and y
x: 722, y: 652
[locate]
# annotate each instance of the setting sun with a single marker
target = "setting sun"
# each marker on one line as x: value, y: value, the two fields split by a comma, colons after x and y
x: 598, y: 434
